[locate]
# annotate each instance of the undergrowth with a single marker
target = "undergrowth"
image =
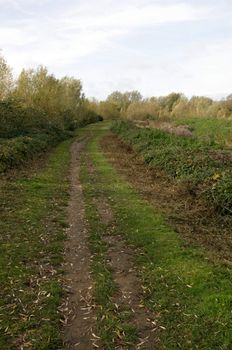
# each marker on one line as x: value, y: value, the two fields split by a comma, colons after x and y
x: 200, y: 162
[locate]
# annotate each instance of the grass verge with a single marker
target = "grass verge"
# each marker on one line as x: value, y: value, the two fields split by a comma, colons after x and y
x: 31, y: 234
x: 190, y: 296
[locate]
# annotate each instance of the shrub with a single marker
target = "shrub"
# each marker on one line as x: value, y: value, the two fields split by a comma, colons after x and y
x: 16, y: 151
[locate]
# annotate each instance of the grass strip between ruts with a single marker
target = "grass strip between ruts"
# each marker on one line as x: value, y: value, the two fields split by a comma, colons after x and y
x: 112, y: 326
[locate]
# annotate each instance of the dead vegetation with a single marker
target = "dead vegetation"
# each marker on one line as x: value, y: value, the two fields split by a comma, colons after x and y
x: 179, y: 130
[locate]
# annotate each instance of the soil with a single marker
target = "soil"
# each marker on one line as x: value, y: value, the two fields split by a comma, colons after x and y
x: 129, y: 293
x: 78, y: 307
x: 182, y: 203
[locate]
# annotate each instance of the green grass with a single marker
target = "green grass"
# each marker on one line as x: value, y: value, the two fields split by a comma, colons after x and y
x: 31, y: 234
x: 217, y: 129
x: 190, y: 297
x: 112, y: 325
x: 185, y: 159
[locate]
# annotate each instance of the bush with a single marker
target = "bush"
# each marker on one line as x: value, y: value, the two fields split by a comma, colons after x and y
x: 16, y: 120
x: 16, y: 151
x: 25, y: 131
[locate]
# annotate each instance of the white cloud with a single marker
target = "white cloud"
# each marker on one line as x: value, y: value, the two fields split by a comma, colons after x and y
x: 66, y: 35
x: 210, y: 69
x: 140, y: 16
x: 85, y: 31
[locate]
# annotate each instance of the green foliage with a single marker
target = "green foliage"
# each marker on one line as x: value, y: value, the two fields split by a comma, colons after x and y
x: 40, y: 101
x: 16, y: 120
x: 40, y: 111
x: 183, y: 158
x: 54, y: 98
x: 90, y: 117
x: 109, y: 110
x: 16, y: 151
x: 33, y: 136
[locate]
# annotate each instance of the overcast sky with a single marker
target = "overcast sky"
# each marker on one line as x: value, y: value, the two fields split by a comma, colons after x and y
x: 155, y: 47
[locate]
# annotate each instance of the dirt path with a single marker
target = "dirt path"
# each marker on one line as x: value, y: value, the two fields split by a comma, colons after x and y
x: 129, y: 295
x: 78, y: 308
x: 130, y: 292
x: 130, y: 287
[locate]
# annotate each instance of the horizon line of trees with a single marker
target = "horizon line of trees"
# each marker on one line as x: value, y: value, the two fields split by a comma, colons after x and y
x: 37, y: 100
x: 131, y: 105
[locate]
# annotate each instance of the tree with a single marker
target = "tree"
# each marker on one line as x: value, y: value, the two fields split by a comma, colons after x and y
x: 181, y: 108
x: 199, y: 106
x: 134, y: 96
x: 6, y: 79
x: 108, y: 110
x: 123, y: 100
x: 168, y: 102
x: 143, y: 110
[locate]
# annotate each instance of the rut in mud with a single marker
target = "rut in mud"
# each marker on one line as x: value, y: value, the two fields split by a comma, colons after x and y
x: 78, y: 308
x: 129, y: 294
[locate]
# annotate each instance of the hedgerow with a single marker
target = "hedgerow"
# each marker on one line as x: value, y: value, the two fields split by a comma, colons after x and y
x: 26, y: 132
x: 16, y: 151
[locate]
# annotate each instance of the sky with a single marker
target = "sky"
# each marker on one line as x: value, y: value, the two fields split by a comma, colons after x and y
x: 156, y: 47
